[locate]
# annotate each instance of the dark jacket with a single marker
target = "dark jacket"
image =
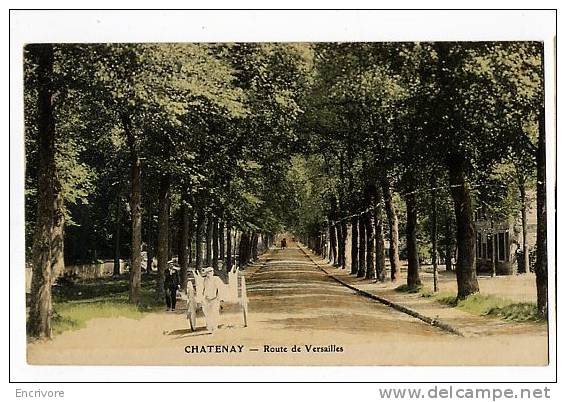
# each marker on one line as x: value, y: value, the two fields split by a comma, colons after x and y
x: 172, y: 281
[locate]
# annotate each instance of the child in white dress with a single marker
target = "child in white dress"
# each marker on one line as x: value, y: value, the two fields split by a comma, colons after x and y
x: 211, y: 298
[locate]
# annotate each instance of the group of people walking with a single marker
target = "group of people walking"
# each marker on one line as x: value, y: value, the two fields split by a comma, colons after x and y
x: 210, y: 297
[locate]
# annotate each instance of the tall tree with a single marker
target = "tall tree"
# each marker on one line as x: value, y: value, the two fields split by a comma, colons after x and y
x: 163, y: 234
x: 39, y: 321
x: 354, y: 246
x: 413, y: 277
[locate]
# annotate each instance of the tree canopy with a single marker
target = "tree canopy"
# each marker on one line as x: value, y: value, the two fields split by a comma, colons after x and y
x: 270, y: 137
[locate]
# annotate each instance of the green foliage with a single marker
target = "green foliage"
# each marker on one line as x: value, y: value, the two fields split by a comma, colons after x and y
x: 407, y: 111
x: 69, y: 316
x: 488, y: 305
x: 516, y: 312
x: 219, y: 119
x: 307, y: 186
x: 77, y: 303
x: 274, y: 136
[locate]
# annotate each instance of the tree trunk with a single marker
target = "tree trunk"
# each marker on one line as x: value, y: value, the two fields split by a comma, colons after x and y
x: 149, y: 242
x: 39, y: 321
x: 58, y: 234
x: 208, y: 240
x: 184, y: 243
x: 251, y: 243
x: 355, y: 251
x: 254, y: 252
x: 361, y: 248
x: 344, y: 231
x: 448, y: 240
x: 190, y: 239
x: 135, y: 206
x: 163, y: 235
x: 524, y: 221
x: 370, y: 251
x: 243, y: 249
x: 229, y: 262
x: 541, y: 264
x: 116, y: 269
x: 172, y: 237
x: 379, y: 246
x: 393, y: 229
x: 178, y: 237
x: 249, y: 246
x: 221, y: 249
x: 493, y: 250
x: 215, y: 245
x: 198, y: 240
x: 58, y: 231
x: 333, y: 253
x: 413, y: 277
x: 339, y: 243
x: 434, y: 236
x: 326, y: 245
x: 465, y: 230
x: 236, y: 248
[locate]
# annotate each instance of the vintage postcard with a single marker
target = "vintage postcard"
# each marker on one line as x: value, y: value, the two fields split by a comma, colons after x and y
x: 287, y: 203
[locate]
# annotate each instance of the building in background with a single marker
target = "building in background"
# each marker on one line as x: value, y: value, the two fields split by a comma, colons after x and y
x: 500, y: 243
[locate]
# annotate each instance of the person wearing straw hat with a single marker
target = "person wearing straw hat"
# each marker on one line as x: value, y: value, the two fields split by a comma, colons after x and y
x: 211, y: 298
x: 172, y: 283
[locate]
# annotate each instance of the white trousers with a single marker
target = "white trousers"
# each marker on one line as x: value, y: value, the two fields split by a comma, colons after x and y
x: 211, y: 310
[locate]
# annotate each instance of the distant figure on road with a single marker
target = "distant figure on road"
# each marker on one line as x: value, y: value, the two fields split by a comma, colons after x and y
x: 283, y: 243
x: 210, y: 298
x: 172, y: 283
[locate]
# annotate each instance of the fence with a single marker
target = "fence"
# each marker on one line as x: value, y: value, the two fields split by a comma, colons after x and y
x: 83, y: 271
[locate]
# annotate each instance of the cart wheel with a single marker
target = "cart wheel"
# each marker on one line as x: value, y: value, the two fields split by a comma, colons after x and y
x: 191, y: 308
x: 244, y: 300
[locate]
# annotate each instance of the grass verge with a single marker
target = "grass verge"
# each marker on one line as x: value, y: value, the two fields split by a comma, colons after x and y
x: 488, y: 305
x: 77, y: 303
x: 73, y: 316
x: 483, y: 305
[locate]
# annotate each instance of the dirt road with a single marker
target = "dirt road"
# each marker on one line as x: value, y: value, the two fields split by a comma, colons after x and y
x: 298, y: 316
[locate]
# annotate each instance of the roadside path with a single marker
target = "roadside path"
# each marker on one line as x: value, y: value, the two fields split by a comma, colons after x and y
x: 456, y: 320
x: 292, y: 302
